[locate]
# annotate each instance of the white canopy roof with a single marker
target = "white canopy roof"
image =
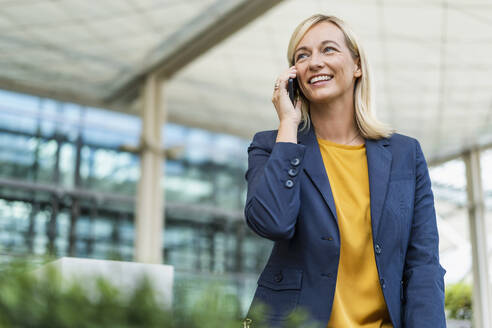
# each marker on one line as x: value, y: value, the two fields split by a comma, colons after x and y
x: 431, y: 61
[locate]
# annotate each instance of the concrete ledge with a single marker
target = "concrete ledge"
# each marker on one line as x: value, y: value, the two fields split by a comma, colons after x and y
x: 125, y: 276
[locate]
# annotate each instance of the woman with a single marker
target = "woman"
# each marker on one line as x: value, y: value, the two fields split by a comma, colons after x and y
x: 347, y: 201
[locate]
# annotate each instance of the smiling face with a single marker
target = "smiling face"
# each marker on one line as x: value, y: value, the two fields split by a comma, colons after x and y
x: 325, y: 67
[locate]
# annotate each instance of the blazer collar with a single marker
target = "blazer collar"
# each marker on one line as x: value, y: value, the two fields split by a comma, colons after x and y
x: 379, y: 160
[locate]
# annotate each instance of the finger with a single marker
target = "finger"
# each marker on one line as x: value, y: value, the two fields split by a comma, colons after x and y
x: 282, y: 80
x: 282, y: 84
x: 290, y: 73
x: 277, y: 85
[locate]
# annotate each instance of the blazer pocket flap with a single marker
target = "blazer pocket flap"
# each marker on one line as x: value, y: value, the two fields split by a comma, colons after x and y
x: 280, y: 278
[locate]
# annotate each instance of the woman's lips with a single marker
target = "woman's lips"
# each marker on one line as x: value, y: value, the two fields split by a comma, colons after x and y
x: 320, y: 83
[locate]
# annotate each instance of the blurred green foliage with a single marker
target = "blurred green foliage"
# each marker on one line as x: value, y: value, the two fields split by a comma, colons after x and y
x: 33, y: 300
x: 28, y: 299
x: 458, y: 301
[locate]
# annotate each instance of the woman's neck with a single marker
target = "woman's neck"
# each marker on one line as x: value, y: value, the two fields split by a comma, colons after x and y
x: 335, y: 121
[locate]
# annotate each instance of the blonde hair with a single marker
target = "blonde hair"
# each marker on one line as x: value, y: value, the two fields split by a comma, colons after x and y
x: 369, y: 126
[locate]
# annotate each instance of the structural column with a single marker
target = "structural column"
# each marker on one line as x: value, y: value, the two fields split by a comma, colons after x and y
x: 149, y: 221
x: 478, y: 239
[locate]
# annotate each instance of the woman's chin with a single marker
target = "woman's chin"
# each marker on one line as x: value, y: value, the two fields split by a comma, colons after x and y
x: 322, y: 97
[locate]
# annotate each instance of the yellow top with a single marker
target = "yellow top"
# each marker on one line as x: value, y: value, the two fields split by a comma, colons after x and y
x: 358, y: 301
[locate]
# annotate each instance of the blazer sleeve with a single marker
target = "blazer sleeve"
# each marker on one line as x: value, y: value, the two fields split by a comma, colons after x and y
x: 423, y: 277
x: 273, y: 195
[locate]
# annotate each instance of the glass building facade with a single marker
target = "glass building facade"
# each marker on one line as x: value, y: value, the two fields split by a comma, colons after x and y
x: 68, y: 184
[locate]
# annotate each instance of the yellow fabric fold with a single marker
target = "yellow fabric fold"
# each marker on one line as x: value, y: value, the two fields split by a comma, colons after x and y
x: 359, y: 300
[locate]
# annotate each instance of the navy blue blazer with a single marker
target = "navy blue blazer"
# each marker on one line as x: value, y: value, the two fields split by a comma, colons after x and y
x: 290, y: 202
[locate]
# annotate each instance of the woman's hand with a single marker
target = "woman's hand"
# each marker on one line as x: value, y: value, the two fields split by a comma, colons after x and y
x: 287, y: 113
x: 289, y: 116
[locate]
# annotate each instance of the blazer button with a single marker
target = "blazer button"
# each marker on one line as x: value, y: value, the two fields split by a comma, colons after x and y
x: 289, y: 183
x: 377, y: 248
x: 278, y: 277
x: 383, y: 284
x: 292, y: 172
x: 296, y: 161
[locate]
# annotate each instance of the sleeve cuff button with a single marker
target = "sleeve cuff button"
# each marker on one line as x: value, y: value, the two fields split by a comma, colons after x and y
x: 292, y: 172
x: 289, y: 183
x: 296, y: 161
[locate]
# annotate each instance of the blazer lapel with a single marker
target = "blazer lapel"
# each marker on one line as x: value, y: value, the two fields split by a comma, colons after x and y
x: 315, y: 167
x: 378, y: 162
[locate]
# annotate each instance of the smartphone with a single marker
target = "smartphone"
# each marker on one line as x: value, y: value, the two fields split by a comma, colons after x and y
x: 293, y: 89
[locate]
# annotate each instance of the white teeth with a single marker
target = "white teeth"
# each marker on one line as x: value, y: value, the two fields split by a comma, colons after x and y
x: 320, y: 78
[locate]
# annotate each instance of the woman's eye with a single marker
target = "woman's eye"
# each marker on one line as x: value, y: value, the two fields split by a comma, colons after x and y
x: 300, y: 56
x: 327, y: 49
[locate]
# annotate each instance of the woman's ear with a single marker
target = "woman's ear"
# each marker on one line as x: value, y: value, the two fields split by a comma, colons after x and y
x: 358, y: 70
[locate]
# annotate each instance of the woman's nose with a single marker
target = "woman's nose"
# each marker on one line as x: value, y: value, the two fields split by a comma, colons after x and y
x: 315, y: 61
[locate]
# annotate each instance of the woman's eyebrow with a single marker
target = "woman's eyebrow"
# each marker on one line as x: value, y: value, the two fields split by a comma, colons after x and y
x: 330, y: 41
x: 322, y: 43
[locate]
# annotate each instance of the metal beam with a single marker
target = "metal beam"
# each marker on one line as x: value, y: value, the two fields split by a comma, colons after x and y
x: 443, y: 158
x: 202, y: 35
x: 63, y: 96
x: 196, y: 211
x: 478, y: 239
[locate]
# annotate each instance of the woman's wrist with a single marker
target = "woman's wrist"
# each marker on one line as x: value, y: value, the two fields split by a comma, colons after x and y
x: 287, y: 132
